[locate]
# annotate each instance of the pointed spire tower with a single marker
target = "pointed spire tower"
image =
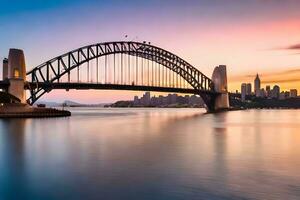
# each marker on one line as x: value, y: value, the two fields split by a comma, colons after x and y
x: 257, y: 85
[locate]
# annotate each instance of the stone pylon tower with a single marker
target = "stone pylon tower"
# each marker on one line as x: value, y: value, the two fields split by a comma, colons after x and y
x: 14, y: 69
x: 219, y: 78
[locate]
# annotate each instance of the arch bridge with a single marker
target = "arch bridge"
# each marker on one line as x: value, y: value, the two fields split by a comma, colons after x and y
x: 123, y: 65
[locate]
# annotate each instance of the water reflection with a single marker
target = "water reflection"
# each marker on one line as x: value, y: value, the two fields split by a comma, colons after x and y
x: 151, y: 154
x: 220, y: 148
x: 12, y: 159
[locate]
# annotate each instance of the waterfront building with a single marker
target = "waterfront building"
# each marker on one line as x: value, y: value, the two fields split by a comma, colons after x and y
x: 262, y: 93
x: 187, y: 99
x: 173, y: 98
x: 287, y: 94
x: 268, y: 91
x: 181, y: 100
x: 248, y: 89
x: 146, y: 99
x: 282, y: 96
x: 160, y: 100
x: 154, y: 101
x: 136, y: 101
x: 169, y: 99
x: 243, y: 91
x: 293, y: 93
x: 195, y: 100
x: 165, y: 101
x: 275, y: 92
x: 257, y: 86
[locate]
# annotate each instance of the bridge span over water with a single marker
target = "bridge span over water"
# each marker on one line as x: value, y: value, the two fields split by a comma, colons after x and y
x: 123, y: 65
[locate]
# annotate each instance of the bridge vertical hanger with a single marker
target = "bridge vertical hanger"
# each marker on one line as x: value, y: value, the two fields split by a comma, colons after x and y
x: 97, y: 64
x: 78, y: 59
x: 122, y: 64
x: 142, y: 71
x: 128, y: 57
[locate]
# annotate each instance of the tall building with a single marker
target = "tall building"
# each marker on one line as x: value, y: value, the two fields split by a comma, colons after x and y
x: 268, y: 91
x: 282, y: 96
x: 136, y: 101
x: 262, y: 93
x: 243, y: 91
x: 160, y: 100
x: 257, y: 86
x: 194, y: 100
x: 287, y: 94
x: 275, y: 92
x: 146, y: 99
x: 173, y: 98
x: 293, y: 93
x: 248, y: 89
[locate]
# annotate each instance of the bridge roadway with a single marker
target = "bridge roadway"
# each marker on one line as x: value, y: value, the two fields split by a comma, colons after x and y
x: 98, y: 86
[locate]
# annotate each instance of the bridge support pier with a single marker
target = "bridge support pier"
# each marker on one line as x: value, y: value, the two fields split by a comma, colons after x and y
x: 14, y: 70
x: 219, y: 101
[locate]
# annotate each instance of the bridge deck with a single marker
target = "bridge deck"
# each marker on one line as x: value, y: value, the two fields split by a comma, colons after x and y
x: 98, y: 86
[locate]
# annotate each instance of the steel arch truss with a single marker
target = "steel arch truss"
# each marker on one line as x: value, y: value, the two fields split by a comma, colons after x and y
x: 51, y: 71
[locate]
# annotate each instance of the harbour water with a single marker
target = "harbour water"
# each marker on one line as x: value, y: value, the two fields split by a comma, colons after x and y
x: 152, y: 154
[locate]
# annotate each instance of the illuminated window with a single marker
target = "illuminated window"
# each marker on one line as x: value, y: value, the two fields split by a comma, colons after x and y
x: 16, y: 73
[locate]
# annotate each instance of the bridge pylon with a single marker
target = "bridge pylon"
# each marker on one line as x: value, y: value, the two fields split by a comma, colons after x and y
x: 14, y: 71
x: 221, y: 100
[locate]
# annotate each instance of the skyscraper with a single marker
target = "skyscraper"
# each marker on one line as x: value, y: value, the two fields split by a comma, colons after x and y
x: 276, y: 92
x: 268, y: 91
x: 136, y: 101
x: 257, y: 86
x: 248, y: 89
x: 243, y: 91
x: 293, y: 93
x: 146, y: 99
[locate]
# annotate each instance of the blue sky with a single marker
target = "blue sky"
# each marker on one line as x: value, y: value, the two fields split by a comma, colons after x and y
x: 24, y: 23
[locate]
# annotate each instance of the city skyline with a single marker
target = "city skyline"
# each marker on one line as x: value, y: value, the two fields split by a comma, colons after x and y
x: 249, y: 37
x: 269, y: 91
x: 170, y: 99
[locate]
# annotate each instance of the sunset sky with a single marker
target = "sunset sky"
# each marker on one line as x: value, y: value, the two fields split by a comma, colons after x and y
x: 249, y: 36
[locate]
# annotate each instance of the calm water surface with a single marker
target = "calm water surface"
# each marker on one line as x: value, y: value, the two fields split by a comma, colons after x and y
x: 152, y: 154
